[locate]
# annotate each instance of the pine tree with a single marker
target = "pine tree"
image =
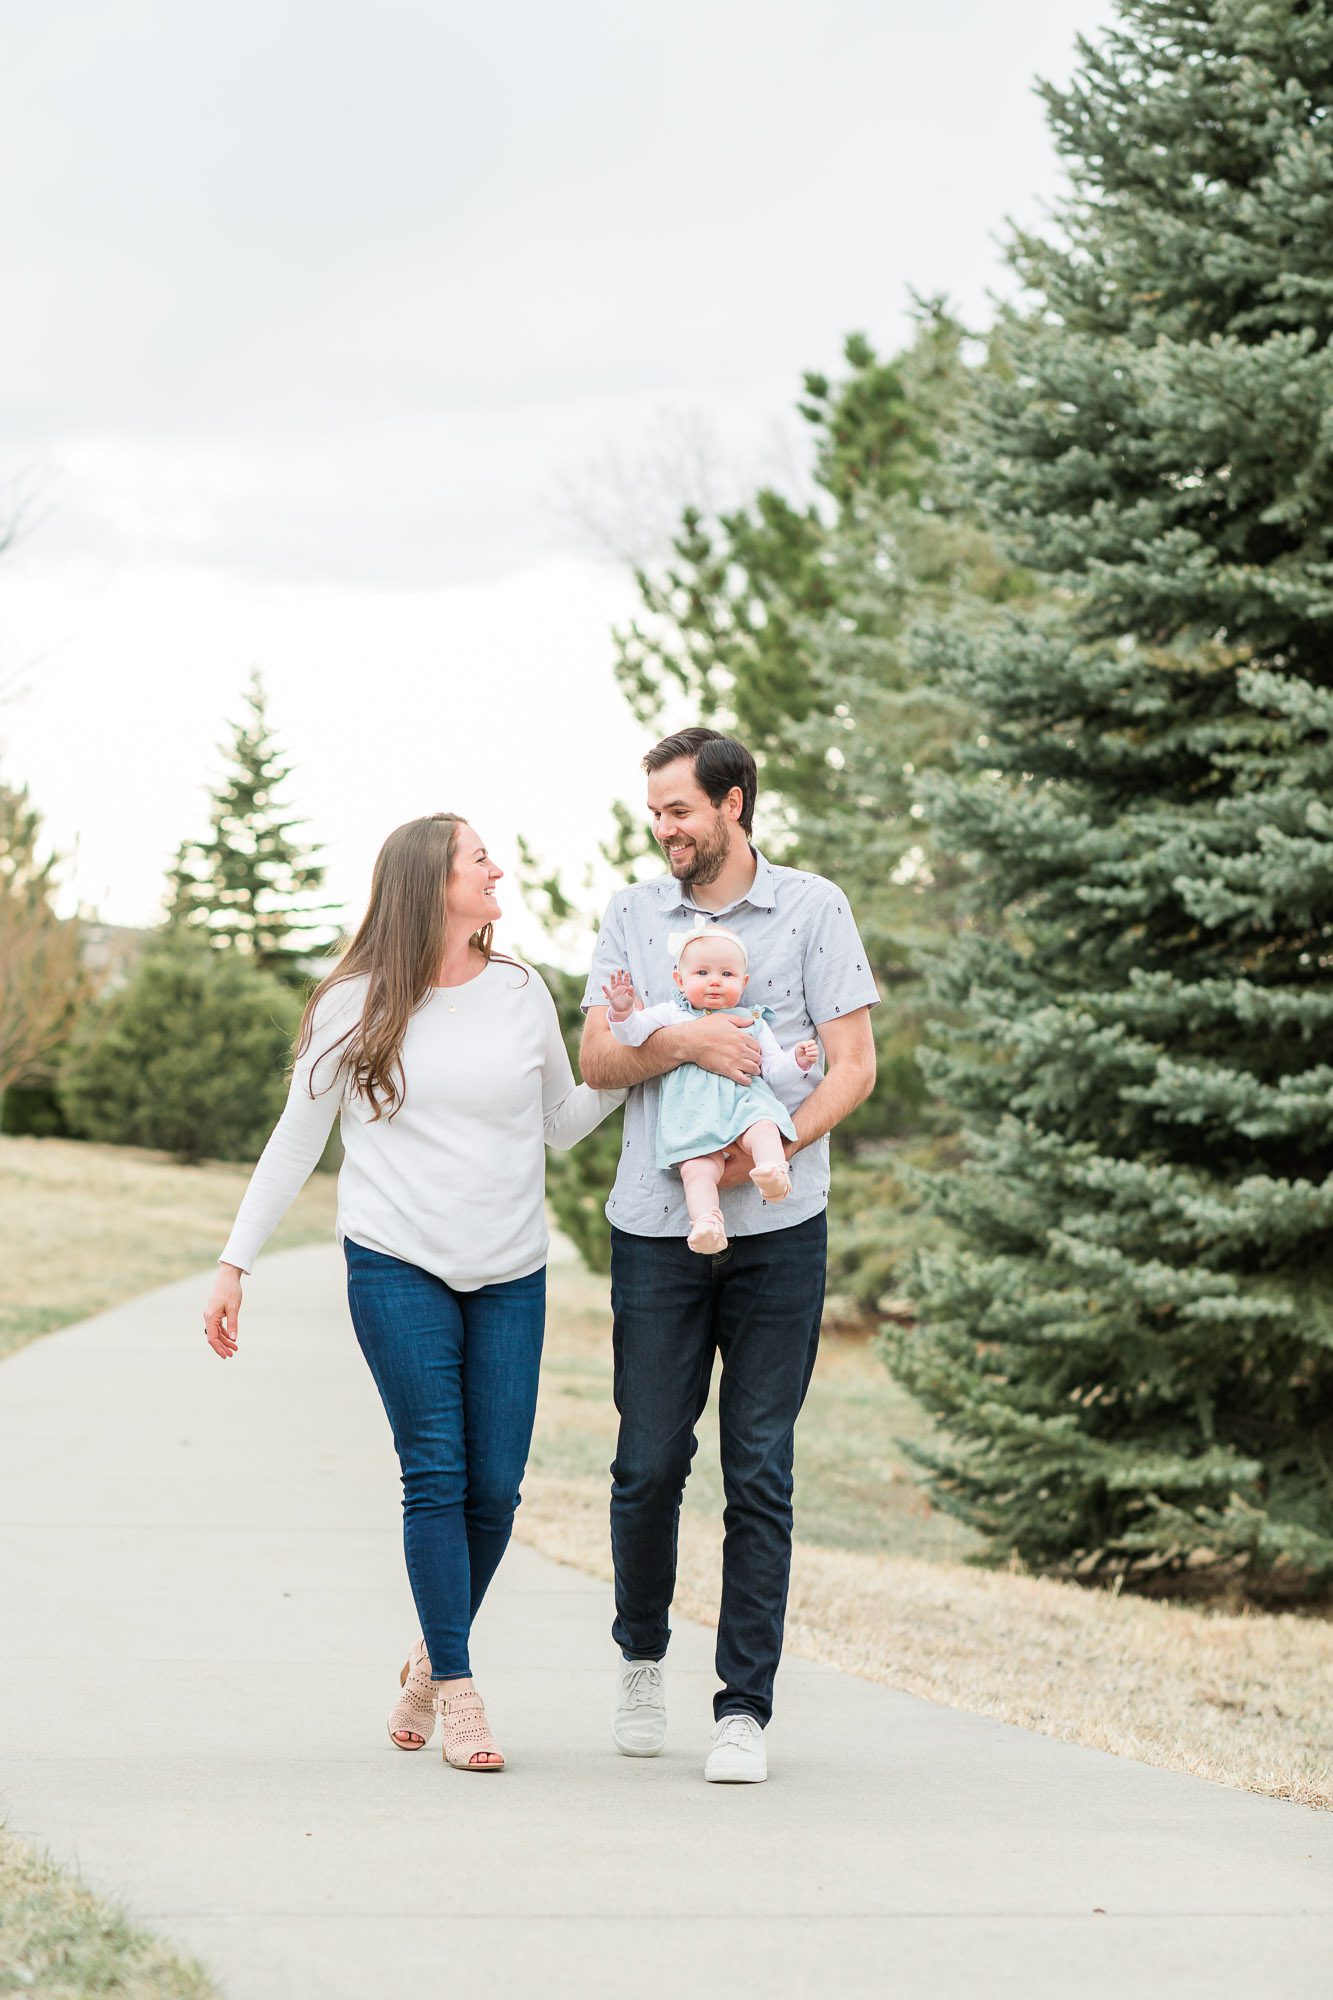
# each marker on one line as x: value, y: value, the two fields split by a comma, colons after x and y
x: 725, y: 623
x: 1131, y: 1341
x: 789, y: 626
x: 875, y: 723
x: 250, y: 885
x: 761, y: 621
x: 881, y: 727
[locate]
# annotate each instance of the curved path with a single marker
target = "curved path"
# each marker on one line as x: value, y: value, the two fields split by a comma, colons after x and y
x: 202, y: 1607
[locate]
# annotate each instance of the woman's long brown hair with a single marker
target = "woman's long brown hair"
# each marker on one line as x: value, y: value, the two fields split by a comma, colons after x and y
x: 398, y: 949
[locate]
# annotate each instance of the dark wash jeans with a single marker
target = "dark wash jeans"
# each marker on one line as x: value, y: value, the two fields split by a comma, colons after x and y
x: 759, y: 1306
x: 457, y: 1374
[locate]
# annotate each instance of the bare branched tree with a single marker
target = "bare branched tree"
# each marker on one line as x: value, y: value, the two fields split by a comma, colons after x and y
x: 625, y: 501
x: 40, y: 974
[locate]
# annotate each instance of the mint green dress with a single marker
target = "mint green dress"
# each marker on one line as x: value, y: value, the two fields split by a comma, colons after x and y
x: 699, y: 1111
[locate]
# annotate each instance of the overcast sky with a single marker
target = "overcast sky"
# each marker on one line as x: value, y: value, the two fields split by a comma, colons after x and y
x: 314, y: 317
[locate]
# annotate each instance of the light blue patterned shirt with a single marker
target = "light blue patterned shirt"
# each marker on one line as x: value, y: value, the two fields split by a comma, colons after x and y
x: 807, y: 963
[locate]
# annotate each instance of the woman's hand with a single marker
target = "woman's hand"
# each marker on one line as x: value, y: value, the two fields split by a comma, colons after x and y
x: 223, y: 1311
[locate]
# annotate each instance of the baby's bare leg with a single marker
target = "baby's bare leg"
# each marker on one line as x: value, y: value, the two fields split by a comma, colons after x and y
x: 763, y: 1142
x: 707, y: 1234
x: 701, y: 1177
x: 770, y: 1173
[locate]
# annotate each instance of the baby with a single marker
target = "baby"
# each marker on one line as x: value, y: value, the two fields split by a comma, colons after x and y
x: 701, y: 1116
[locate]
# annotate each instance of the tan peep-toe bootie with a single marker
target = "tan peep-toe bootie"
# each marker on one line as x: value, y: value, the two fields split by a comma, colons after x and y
x: 465, y: 1730
x: 413, y: 1714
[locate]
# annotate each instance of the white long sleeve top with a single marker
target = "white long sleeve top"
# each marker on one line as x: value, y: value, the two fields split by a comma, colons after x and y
x: 455, y: 1180
x: 778, y: 1066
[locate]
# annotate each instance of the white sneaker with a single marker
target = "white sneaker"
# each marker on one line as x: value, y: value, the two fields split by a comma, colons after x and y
x: 638, y: 1723
x: 738, y: 1756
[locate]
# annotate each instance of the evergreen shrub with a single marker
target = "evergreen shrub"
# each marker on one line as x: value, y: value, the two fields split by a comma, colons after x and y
x: 189, y: 1057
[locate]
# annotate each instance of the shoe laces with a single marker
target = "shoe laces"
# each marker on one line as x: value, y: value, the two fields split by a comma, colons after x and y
x: 642, y: 1686
x: 739, y: 1730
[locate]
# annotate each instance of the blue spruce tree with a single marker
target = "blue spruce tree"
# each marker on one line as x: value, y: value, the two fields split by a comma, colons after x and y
x: 1130, y: 1343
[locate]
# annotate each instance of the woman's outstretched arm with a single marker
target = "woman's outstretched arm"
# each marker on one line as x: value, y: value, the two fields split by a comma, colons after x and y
x: 569, y: 1110
x: 285, y: 1165
x: 281, y: 1171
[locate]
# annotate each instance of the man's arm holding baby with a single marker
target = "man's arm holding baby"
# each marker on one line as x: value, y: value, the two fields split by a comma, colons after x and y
x: 789, y: 1073
x: 849, y: 1054
x: 718, y: 1044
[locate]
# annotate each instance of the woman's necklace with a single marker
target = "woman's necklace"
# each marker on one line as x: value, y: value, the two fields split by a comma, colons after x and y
x: 454, y: 988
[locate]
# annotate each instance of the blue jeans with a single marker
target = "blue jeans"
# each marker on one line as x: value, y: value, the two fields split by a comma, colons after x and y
x: 457, y: 1374
x: 758, y: 1305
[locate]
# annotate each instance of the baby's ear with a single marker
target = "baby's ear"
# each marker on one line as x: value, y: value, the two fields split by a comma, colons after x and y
x: 676, y: 976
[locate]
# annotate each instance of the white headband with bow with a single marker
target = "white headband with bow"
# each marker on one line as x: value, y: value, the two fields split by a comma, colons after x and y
x: 677, y: 940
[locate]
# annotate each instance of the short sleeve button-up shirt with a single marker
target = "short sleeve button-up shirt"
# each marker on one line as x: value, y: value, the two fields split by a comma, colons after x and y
x: 807, y: 963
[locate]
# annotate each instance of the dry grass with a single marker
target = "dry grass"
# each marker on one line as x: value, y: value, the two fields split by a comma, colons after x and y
x: 1240, y: 1699
x: 65, y: 1944
x: 854, y: 1489
x: 90, y: 1226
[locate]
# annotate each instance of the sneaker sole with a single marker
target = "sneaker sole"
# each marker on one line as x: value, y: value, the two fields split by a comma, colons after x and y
x: 734, y: 1777
x: 635, y: 1750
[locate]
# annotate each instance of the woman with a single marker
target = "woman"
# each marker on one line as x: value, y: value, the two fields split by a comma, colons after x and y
x: 447, y: 1066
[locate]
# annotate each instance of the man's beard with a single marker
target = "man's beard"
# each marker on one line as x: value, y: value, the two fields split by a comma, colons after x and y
x: 708, y: 858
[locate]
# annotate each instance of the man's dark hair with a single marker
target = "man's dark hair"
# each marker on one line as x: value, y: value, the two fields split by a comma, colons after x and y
x: 720, y: 765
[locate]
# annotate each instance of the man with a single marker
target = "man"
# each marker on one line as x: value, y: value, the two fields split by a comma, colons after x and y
x: 758, y: 1303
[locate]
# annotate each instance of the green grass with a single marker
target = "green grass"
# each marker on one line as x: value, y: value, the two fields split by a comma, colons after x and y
x: 62, y: 1942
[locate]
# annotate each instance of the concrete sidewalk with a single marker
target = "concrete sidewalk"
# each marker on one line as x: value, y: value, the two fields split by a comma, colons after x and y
x: 202, y: 1612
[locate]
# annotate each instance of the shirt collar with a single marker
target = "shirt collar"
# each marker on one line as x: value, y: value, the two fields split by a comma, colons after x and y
x: 760, y: 894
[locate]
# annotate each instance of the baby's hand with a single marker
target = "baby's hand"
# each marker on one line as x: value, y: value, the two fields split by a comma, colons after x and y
x: 806, y: 1054
x: 621, y: 997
